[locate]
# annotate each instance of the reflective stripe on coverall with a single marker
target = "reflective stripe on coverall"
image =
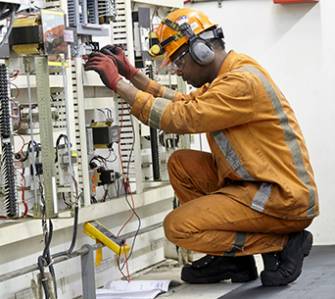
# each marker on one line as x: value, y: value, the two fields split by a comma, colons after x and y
x: 263, y: 175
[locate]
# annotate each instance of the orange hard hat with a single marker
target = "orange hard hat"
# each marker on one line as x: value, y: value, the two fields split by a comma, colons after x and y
x: 171, y: 39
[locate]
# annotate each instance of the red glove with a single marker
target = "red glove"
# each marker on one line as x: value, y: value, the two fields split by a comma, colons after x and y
x: 119, y: 57
x: 105, y: 67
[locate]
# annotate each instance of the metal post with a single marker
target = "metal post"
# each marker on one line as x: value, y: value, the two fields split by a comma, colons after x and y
x: 154, y: 142
x: 46, y: 135
x: 88, y: 273
x: 82, y: 132
x: 87, y: 261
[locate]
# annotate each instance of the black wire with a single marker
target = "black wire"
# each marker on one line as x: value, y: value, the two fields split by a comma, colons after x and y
x: 45, y: 259
x: 47, y: 239
x: 105, y: 194
x: 65, y: 201
x: 40, y: 264
x: 93, y: 199
x: 109, y: 113
x: 102, y: 159
x: 48, y: 258
x: 66, y: 142
x: 104, y: 113
x: 74, y: 236
x: 98, y: 158
x: 7, y: 9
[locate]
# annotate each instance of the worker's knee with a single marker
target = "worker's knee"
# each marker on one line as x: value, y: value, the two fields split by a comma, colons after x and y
x: 176, y: 158
x: 173, y: 227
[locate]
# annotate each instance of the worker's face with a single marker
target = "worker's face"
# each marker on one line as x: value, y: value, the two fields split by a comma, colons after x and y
x: 187, y: 68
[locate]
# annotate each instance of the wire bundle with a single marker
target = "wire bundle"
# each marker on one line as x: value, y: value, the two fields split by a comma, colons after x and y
x: 7, y: 163
x: 46, y: 259
x: 7, y: 10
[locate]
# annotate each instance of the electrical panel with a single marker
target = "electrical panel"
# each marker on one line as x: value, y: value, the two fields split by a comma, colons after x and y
x: 65, y: 141
x: 86, y: 16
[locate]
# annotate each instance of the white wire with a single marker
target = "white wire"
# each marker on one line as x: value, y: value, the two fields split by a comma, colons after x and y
x: 9, y: 28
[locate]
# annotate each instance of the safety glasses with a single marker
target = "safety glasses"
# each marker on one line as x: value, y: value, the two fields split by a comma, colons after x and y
x: 179, y: 61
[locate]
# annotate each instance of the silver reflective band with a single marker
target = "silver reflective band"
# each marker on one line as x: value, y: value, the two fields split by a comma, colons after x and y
x: 290, y: 137
x: 238, y: 244
x: 264, y: 192
x: 261, y: 197
x: 231, y: 156
x: 156, y: 112
x: 169, y: 93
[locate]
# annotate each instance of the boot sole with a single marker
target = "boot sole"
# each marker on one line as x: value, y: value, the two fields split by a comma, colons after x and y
x: 235, y: 277
x: 307, y: 246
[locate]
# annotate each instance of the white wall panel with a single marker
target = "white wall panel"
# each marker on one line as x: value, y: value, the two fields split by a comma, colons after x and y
x: 296, y: 44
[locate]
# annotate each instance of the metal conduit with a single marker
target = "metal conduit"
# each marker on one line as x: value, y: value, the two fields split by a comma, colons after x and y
x: 82, y: 251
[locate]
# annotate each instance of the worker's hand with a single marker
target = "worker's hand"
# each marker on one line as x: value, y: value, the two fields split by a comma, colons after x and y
x: 105, y: 67
x: 126, y: 69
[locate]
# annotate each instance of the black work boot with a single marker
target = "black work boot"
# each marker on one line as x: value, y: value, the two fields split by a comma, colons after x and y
x: 271, y: 261
x: 212, y: 269
x: 290, y: 261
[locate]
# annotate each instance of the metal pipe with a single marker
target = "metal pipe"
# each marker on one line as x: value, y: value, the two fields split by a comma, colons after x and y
x: 155, y: 154
x: 79, y: 252
x: 154, y: 141
x: 88, y: 273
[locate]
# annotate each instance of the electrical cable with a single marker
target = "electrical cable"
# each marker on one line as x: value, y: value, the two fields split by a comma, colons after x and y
x: 132, y: 207
x: 71, y: 169
x: 22, y: 189
x: 103, y: 112
x: 68, y: 204
x: 10, y: 25
x: 74, y: 236
x: 76, y: 206
x: 109, y: 113
x: 45, y: 259
x: 127, y: 189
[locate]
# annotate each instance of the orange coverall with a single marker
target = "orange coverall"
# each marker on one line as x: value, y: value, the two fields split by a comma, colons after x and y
x: 257, y: 185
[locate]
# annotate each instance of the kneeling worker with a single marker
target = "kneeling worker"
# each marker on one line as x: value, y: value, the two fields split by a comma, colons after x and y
x: 255, y: 192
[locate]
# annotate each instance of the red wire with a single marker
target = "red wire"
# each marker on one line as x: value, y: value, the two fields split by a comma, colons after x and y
x: 125, y: 182
x: 25, y: 204
x: 125, y: 276
x: 14, y: 75
x: 127, y: 189
x: 127, y: 268
x: 25, y: 212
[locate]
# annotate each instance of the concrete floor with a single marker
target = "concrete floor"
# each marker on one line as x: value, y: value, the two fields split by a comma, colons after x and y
x: 171, y: 270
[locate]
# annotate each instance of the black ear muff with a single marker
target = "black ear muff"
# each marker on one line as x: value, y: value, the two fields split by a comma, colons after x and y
x: 201, y: 51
